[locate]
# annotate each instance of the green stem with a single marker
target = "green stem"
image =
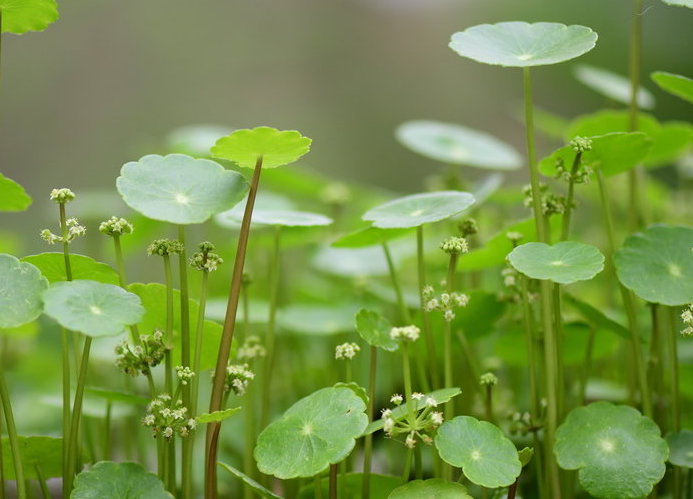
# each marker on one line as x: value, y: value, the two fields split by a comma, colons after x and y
x: 45, y: 493
x: 401, y: 305
x: 168, y: 367
x: 333, y: 481
x: 368, y: 442
x: 406, y: 371
x: 120, y: 265
x: 489, y: 404
x: 407, y: 465
x: 249, y: 441
x: 635, y: 57
x: 447, y: 337
x: 529, y: 326
x: 213, y: 429
x: 558, y: 335
x: 271, y: 328
x: 586, y: 367
x: 532, y: 158
x: 65, y: 344
x: 13, y: 437
x: 73, y: 444
x: 187, y: 443
x: 565, y: 226
x: 674, y: 369
x: 199, y: 334
x: 107, y: 432
x: 428, y: 334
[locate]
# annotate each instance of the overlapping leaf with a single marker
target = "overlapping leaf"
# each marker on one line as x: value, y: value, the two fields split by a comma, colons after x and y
x: 419, y: 209
x: 275, y: 147
x: 21, y: 289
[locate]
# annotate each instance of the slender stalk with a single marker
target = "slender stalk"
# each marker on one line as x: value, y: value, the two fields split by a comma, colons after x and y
x: 565, y: 222
x: 656, y: 366
x: 406, y: 372
x: 532, y: 158
x: 586, y: 366
x: 407, y: 465
x: 199, y: 334
x: 635, y: 57
x: 512, y: 490
x: 488, y: 405
x: 529, y: 326
x: 558, y: 335
x: 271, y: 328
x: 250, y: 412
x: 187, y: 443
x: 447, y: 337
x: 227, y: 337
x: 13, y: 437
x: 674, y: 369
x: 333, y: 481
x: 73, y: 444
x: 45, y: 493
x: 107, y: 432
x: 428, y: 334
x: 120, y: 265
x: 65, y: 352
x: 368, y: 442
x: 168, y: 365
x: 401, y: 305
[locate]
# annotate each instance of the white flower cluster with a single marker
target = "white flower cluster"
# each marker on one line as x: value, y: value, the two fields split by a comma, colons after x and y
x: 141, y: 358
x: 251, y: 348
x: 167, y: 418
x: 426, y: 420
x: 687, y: 318
x: 488, y: 379
x: 62, y: 196
x: 237, y: 378
x: 455, y: 245
x: 445, y: 303
x: 74, y: 230
x: 115, y: 226
x: 405, y: 333
x: 346, y: 351
x: 185, y: 374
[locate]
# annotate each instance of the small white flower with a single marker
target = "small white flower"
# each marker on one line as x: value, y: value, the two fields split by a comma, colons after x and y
x: 168, y: 432
x: 388, y: 425
x: 431, y: 402
x: 417, y: 396
x: 437, y: 418
x: 396, y: 399
x: 410, y: 441
x: 386, y: 413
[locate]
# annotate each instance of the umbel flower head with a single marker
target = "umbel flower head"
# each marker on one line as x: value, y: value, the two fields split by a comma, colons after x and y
x: 62, y: 195
x: 406, y: 333
x: 140, y: 359
x: 346, y: 351
x: 168, y: 418
x: 205, y: 259
x: 115, y: 226
x: 238, y: 376
x: 74, y: 230
x: 251, y: 348
x: 445, y: 303
x: 687, y: 318
x: 164, y: 247
x: 454, y: 245
x: 426, y: 419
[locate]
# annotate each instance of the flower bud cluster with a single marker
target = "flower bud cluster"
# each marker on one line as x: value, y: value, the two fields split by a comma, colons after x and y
x: 581, y: 144
x: 468, y: 227
x: 425, y: 422
x: 405, y: 333
x: 687, y: 318
x: 454, y: 245
x: 164, y: 247
x: 167, y: 418
x: 115, y: 226
x: 74, y: 230
x: 185, y: 374
x: 523, y: 423
x: 251, y: 348
x: 551, y: 204
x: 62, y: 196
x: 205, y: 259
x: 346, y: 351
x: 445, y: 303
x: 133, y: 360
x: 238, y: 376
x: 488, y: 379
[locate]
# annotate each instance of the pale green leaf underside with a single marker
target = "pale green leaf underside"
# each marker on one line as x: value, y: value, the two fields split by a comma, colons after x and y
x: 657, y: 264
x: 13, y: 197
x: 92, y: 308
x: 434, y: 488
x: 281, y: 218
x: 680, y: 3
x: 375, y: 330
x: 678, y: 85
x: 20, y: 16
x: 21, y: 287
x: 619, y: 452
x: 216, y: 416
x: 564, y: 263
x: 612, y: 85
x: 178, y: 188
x: 612, y: 153
x: 315, y: 432
x: 520, y: 44
x: 681, y: 448
x: 486, y: 456
x: 45, y: 452
x: 52, y: 266
x: 419, y: 209
x: 457, y: 145
x: 276, y: 147
x: 118, y: 481
x: 264, y: 201
x: 255, y: 486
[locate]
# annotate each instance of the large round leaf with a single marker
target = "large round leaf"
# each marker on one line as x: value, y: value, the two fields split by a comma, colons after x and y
x: 521, y: 44
x: 657, y: 264
x: 486, y: 456
x: 52, y: 266
x: 42, y: 452
x: 21, y: 287
x: 681, y: 448
x: 179, y: 189
x: 457, y: 145
x: 92, y: 308
x: 677, y: 85
x: 277, y: 217
x: 564, y: 262
x: 434, y: 488
x: 612, y: 85
x: 315, y: 432
x: 419, y: 209
x: 612, y: 153
x: 118, y: 481
x: 619, y: 452
x: 20, y: 16
x: 13, y: 197
x: 275, y: 147
x: 375, y: 330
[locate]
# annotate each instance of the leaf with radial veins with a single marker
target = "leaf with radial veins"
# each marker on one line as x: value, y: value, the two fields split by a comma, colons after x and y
x: 111, y: 480
x: 13, y: 197
x: 677, y: 85
x: 619, y: 453
x: 486, y: 456
x: 375, y: 329
x: 315, y: 432
x: 20, y: 16
x: 433, y: 488
x: 657, y: 264
x: 419, y: 209
x: 21, y: 288
x: 520, y: 44
x: 564, y: 263
x: 179, y: 189
x: 92, y: 308
x: 612, y: 85
x: 276, y: 147
x: 612, y: 153
x: 681, y: 448
x: 52, y: 266
x: 44, y: 452
x: 457, y: 145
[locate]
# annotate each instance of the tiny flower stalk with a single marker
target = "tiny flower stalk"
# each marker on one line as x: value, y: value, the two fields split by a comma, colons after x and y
x: 13, y: 437
x: 401, y: 306
x: 426, y: 320
x: 578, y: 174
x: 346, y: 352
x: 368, y: 441
x: 488, y: 381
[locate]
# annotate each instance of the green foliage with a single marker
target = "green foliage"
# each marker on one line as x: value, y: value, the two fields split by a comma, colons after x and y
x: 27, y: 15
x: 564, y: 263
x: 520, y: 44
x: 457, y: 145
x: 275, y: 147
x: 678, y: 85
x: 178, y: 188
x: 13, y: 197
x: 657, y: 265
x: 486, y: 456
x: 380, y: 486
x: 21, y: 287
x: 256, y: 487
x: 375, y: 330
x: 619, y: 453
x: 111, y: 480
x: 612, y: 85
x: 681, y: 448
x: 44, y: 453
x: 369, y: 236
x: 52, y: 266
x: 317, y: 319
x: 419, y: 209
x: 92, y: 308
x: 215, y: 417
x: 434, y: 488
x: 315, y: 432
x: 480, y: 315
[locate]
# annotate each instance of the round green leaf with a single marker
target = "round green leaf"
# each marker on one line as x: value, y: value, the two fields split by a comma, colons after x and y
x: 118, y: 481
x: 565, y: 262
x: 434, y: 488
x: 657, y: 264
x: 52, y: 266
x: 285, y: 218
x: 195, y: 140
x: 315, y: 432
x: 178, y: 188
x: 520, y: 44
x: 619, y: 452
x: 680, y: 3
x: 681, y: 448
x: 677, y: 85
x: 486, y: 456
x: 13, y: 197
x: 276, y: 147
x: 20, y: 16
x: 612, y: 85
x: 419, y: 209
x: 45, y: 452
x: 457, y: 145
x: 21, y: 287
x: 375, y: 330
x: 92, y: 308
x: 612, y: 153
